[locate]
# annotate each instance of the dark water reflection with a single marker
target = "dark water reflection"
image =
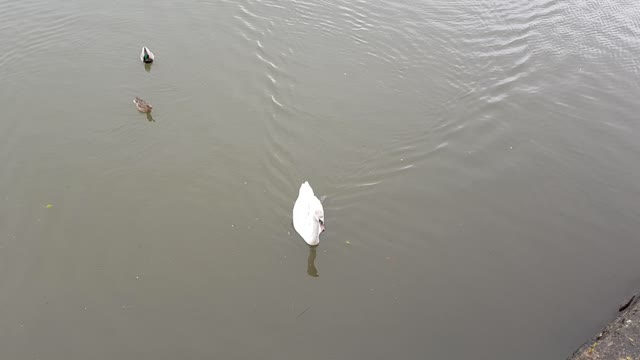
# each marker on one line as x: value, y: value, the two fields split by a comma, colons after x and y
x: 311, y: 262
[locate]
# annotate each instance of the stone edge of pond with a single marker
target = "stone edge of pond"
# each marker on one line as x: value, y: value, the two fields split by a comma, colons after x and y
x: 620, y: 340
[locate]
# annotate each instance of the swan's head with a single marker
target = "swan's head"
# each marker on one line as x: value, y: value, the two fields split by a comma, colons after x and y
x: 320, y: 218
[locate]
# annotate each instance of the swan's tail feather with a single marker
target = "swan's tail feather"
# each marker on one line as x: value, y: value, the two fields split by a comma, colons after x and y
x: 305, y: 189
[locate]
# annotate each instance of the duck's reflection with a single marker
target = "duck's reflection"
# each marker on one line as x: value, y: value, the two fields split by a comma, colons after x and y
x: 150, y: 118
x: 311, y: 262
x: 147, y: 66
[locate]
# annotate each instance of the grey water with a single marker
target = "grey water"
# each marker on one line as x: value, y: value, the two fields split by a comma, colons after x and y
x: 479, y: 161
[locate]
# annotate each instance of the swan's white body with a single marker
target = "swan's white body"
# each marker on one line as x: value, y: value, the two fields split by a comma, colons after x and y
x: 308, y: 215
x: 151, y: 56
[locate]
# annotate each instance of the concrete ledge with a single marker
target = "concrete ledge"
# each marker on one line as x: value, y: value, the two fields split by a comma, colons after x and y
x: 620, y: 340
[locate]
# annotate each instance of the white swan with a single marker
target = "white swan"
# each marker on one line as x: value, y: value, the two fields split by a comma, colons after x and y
x: 308, y: 215
x: 146, y: 56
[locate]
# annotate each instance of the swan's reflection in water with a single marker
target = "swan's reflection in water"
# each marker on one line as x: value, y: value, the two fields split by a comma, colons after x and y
x: 311, y: 262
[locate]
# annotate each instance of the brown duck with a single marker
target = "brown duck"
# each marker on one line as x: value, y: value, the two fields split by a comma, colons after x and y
x: 142, y: 105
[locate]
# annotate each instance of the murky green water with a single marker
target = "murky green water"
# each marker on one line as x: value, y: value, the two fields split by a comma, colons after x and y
x: 480, y: 162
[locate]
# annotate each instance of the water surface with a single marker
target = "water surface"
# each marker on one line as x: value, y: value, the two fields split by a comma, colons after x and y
x: 479, y: 158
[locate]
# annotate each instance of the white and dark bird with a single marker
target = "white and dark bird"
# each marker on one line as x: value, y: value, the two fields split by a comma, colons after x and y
x: 308, y: 215
x: 146, y: 56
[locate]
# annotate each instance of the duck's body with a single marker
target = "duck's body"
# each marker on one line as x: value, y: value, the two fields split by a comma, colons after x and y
x: 142, y: 105
x: 308, y: 215
x: 146, y: 56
